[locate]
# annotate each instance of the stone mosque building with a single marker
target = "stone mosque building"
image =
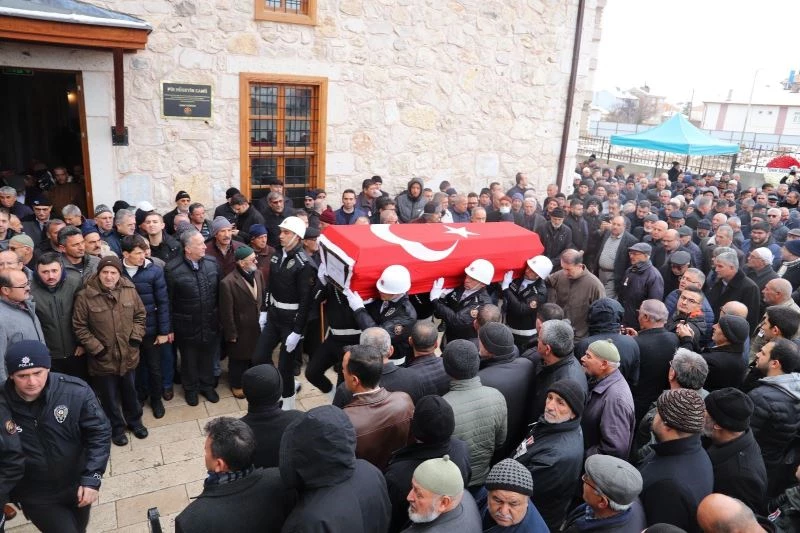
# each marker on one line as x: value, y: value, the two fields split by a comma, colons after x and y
x: 153, y: 96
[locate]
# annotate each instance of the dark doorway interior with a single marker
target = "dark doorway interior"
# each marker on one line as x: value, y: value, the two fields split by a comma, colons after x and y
x: 41, y: 120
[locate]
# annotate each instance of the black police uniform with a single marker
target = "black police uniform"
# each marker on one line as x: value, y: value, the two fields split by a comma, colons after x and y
x: 457, y: 314
x: 396, y: 317
x: 12, y: 460
x: 66, y: 439
x: 292, y: 279
x: 422, y: 305
x: 522, y: 305
x: 343, y: 330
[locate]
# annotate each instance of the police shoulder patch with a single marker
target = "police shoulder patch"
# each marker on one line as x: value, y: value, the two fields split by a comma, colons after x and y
x: 474, y: 313
x: 11, y: 427
x: 398, y: 329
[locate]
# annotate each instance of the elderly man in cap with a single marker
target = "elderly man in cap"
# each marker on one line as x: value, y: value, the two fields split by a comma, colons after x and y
x: 642, y: 281
x: 221, y: 246
x: 241, y: 296
x: 672, y: 271
x: 790, y: 266
x: 66, y: 439
x: 726, y: 364
x: 686, y: 234
x: 677, y: 474
x: 432, y: 429
x: 608, y: 421
x: 480, y: 411
x: 605, y: 323
x: 503, y: 369
x: 264, y: 252
x: 611, y: 488
x: 759, y: 267
x: 437, y: 499
x: 506, y: 505
x: 182, y: 201
x: 262, y: 388
x: 524, y: 296
x: 555, y: 235
x: 735, y: 455
x: 23, y: 246
x: 553, y: 451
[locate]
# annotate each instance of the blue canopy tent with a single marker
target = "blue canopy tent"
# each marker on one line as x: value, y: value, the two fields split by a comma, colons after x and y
x: 677, y: 136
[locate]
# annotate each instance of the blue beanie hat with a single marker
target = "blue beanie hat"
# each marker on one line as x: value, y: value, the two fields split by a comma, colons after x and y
x: 25, y: 355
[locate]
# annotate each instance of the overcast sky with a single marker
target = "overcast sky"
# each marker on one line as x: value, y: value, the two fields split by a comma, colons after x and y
x: 710, y: 46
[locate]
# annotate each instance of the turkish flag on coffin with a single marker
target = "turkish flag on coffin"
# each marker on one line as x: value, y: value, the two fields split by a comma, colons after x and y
x: 356, y: 255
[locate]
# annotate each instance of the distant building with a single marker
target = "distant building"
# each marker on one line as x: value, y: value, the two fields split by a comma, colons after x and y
x: 775, y: 113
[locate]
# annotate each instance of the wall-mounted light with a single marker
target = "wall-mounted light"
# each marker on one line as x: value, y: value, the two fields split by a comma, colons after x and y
x: 72, y: 97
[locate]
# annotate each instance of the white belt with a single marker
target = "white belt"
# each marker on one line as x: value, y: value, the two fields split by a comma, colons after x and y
x: 281, y: 305
x: 345, y: 332
x: 398, y: 362
x: 523, y: 332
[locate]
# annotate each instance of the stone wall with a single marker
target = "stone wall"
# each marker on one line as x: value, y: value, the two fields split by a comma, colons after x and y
x: 470, y: 91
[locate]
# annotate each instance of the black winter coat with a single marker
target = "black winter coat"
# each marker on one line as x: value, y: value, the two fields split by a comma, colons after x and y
x: 60, y: 455
x: 676, y: 476
x: 292, y: 281
x: 337, y: 491
x: 521, y: 306
x: 429, y: 370
x: 193, y: 295
x: 555, y: 241
x: 726, y: 367
x: 397, y: 319
x: 403, y: 463
x: 168, y: 250
x: 268, y: 423
x: 641, y: 282
x: 512, y: 376
x: 554, y: 455
x: 604, y: 324
x: 12, y: 460
x: 740, y: 289
x: 739, y: 471
x: 245, y: 221
x: 258, y: 503
x: 152, y: 288
x: 458, y: 314
x: 657, y: 347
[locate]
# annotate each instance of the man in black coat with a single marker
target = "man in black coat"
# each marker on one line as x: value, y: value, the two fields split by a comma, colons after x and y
x: 394, y: 378
x: 735, y: 455
x: 605, y: 323
x: 236, y: 497
x: 553, y: 451
x: 732, y: 285
x: 556, y: 236
x: 726, y: 364
x: 262, y: 387
x: 193, y: 284
x: 428, y: 368
x: 642, y: 281
x: 458, y: 307
x: 503, y: 369
x: 432, y: 428
x: 657, y: 347
x: 246, y: 216
x: 555, y: 345
x: 337, y: 491
x: 65, y: 436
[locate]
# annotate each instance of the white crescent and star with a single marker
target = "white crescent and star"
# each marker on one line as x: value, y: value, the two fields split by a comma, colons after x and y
x: 415, y: 248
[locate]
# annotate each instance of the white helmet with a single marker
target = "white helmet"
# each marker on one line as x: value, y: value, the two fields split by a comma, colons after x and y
x: 481, y: 270
x: 295, y: 225
x: 540, y: 264
x: 396, y: 279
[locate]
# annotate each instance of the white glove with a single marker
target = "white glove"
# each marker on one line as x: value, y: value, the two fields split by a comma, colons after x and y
x: 321, y: 274
x: 291, y: 341
x: 507, y: 280
x: 354, y: 300
x: 262, y: 320
x: 437, y: 289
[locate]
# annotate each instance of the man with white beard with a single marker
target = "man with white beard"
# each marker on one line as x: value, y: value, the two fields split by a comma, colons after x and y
x: 437, y: 500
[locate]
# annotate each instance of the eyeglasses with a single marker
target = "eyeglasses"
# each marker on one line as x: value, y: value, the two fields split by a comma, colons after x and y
x: 585, y: 479
x: 28, y: 284
x: 685, y: 299
x: 275, y: 202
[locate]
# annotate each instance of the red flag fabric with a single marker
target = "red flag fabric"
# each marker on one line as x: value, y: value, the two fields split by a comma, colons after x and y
x: 783, y: 162
x: 356, y: 255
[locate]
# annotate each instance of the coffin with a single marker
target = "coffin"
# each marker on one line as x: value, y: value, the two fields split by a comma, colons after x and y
x: 355, y: 256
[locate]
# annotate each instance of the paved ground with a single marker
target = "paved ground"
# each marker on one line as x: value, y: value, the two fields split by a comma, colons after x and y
x: 165, y: 469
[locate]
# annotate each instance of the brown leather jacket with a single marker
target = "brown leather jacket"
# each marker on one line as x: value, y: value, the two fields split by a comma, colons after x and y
x: 382, y: 421
x: 110, y: 325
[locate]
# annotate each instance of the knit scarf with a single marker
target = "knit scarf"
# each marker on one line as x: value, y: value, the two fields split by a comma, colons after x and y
x: 221, y: 478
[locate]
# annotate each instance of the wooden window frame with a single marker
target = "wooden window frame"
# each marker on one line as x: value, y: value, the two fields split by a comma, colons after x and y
x: 248, y: 78
x: 309, y: 17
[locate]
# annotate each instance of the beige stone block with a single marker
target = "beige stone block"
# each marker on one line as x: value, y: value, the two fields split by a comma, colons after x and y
x: 314, y: 401
x: 174, y: 415
x: 194, y: 489
x: 244, y: 43
x: 141, y: 527
x: 223, y: 407
x: 138, y: 459
x: 165, y: 434
x: 204, y: 421
x: 152, y: 479
x: 23, y: 527
x: 170, y: 500
x: 103, y: 517
x: 242, y: 403
x: 183, y: 450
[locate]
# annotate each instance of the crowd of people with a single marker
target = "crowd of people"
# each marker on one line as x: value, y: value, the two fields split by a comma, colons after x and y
x: 642, y: 373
